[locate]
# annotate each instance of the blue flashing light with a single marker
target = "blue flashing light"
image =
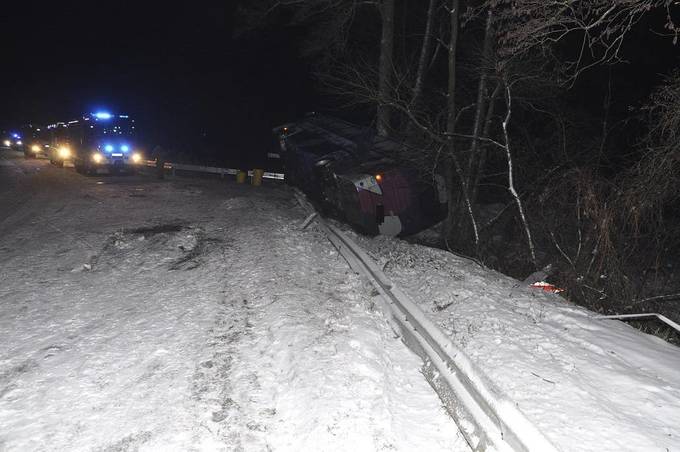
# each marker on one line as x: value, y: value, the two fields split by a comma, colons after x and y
x: 108, y: 148
x: 16, y: 135
x: 125, y: 148
x: 102, y: 115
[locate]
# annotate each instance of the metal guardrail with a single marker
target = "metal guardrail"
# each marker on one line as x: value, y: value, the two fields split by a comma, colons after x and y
x: 486, y: 417
x: 663, y: 318
x: 211, y: 170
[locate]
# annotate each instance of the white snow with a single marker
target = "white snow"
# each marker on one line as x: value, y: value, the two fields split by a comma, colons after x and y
x: 587, y: 384
x: 191, y: 315
x: 197, y: 315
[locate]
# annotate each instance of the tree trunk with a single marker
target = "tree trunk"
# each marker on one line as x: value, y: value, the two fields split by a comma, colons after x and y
x: 424, y: 53
x: 385, y: 66
x: 470, y: 178
x: 481, y: 99
x: 606, y: 106
x: 451, y: 123
x: 481, y: 161
x: 511, y: 181
x: 453, y: 165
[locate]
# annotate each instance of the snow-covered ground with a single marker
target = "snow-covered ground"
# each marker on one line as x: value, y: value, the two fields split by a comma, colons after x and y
x: 191, y: 315
x: 195, y: 314
x: 587, y: 384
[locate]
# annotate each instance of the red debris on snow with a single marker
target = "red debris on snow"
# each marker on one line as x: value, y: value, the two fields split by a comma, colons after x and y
x: 547, y: 287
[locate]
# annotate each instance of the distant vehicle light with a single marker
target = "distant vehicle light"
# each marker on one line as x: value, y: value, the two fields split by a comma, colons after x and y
x: 378, y: 177
x: 15, y: 135
x: 19, y: 143
x: 7, y: 143
x: 136, y: 157
x: 125, y: 148
x: 97, y: 157
x: 108, y: 148
x: 35, y: 148
x: 102, y: 115
x: 64, y: 152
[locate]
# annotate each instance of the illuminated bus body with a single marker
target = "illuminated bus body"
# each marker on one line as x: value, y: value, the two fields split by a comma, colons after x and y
x: 98, y: 142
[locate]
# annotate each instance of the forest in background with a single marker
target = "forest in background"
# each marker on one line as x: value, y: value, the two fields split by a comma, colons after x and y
x: 555, y: 124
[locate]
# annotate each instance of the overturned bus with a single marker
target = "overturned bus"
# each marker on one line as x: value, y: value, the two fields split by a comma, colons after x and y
x: 351, y: 172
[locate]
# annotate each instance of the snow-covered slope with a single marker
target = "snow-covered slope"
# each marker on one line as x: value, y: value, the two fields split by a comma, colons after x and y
x: 589, y: 385
x: 191, y: 315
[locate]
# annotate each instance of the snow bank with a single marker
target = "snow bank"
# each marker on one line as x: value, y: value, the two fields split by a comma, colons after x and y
x: 589, y: 385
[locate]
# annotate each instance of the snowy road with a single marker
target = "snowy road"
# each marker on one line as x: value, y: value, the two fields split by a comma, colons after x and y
x: 190, y: 315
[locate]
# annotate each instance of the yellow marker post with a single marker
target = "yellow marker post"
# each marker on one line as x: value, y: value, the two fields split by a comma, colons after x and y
x: 257, y: 177
x: 241, y: 177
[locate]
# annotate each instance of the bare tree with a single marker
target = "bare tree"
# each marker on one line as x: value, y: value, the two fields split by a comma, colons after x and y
x: 425, y: 50
x: 511, y: 173
x: 481, y: 95
x: 385, y: 67
x: 600, y: 26
x: 452, y: 163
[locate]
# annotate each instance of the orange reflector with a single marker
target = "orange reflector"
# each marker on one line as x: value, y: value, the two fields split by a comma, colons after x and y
x: 378, y: 177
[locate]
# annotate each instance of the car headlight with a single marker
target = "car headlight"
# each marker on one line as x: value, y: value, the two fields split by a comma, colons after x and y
x: 97, y: 157
x: 19, y: 143
x: 64, y: 152
x: 7, y: 143
x: 136, y: 157
x: 35, y: 148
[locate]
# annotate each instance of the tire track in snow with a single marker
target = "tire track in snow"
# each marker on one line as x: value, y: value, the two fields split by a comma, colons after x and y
x: 305, y: 360
x: 132, y: 354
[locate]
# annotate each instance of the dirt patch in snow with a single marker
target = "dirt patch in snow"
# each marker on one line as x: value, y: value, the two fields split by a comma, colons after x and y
x: 157, y: 229
x: 173, y: 246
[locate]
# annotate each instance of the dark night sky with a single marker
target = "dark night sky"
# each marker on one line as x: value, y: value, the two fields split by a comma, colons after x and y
x: 190, y: 83
x: 177, y: 69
